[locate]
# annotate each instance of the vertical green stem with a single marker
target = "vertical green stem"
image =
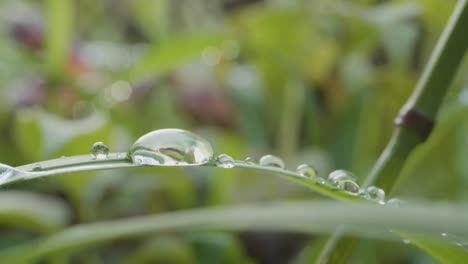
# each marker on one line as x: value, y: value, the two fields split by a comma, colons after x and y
x: 414, y: 123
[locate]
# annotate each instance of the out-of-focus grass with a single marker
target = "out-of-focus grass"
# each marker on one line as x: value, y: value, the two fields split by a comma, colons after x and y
x: 315, y: 82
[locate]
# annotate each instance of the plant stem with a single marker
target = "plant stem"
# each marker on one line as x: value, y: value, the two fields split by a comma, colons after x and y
x: 414, y: 123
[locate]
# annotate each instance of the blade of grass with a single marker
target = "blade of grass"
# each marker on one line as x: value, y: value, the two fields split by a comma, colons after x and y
x: 364, y: 219
x: 32, y: 211
x: 414, y: 123
x: 58, y: 34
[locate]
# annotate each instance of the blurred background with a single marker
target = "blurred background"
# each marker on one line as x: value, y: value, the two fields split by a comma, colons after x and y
x: 311, y: 81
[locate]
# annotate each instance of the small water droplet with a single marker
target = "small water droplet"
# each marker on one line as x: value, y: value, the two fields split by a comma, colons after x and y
x: 396, y: 202
x: 364, y: 194
x: 376, y: 194
x: 99, y: 150
x: 171, y: 147
x: 225, y: 161
x: 344, y: 180
x: 271, y: 161
x: 37, y: 167
x: 406, y: 241
x: 307, y: 171
x: 249, y: 160
x: 444, y: 234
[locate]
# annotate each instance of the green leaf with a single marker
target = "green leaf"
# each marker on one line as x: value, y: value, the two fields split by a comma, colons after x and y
x: 368, y: 220
x: 28, y: 134
x: 32, y: 211
x: 41, y: 134
x: 218, y: 247
x: 436, y: 159
x: 59, y: 14
x: 172, y: 53
x: 444, y: 251
x: 162, y: 249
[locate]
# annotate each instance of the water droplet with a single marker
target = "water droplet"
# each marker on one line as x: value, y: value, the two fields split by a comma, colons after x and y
x: 364, y: 194
x: 271, y: 161
x: 344, y: 180
x: 376, y: 194
x: 307, y: 171
x: 99, y: 150
x: 406, y: 241
x: 37, y: 167
x: 396, y: 202
x: 225, y: 161
x: 444, y: 234
x: 249, y: 160
x: 171, y: 147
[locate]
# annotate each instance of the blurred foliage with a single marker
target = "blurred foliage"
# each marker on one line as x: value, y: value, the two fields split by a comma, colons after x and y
x: 315, y: 82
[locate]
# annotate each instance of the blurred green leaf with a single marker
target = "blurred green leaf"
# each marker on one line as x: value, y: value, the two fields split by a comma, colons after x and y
x: 33, y: 211
x: 163, y: 249
x: 43, y: 135
x: 28, y: 134
x: 364, y: 219
x: 217, y: 247
x: 171, y: 53
x: 59, y: 14
x: 436, y: 160
x: 443, y: 250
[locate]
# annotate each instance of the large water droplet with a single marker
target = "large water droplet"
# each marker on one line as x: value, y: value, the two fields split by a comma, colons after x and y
x: 225, y: 161
x: 171, y: 147
x: 344, y: 180
x: 99, y: 150
x: 376, y: 194
x: 307, y: 171
x: 271, y: 161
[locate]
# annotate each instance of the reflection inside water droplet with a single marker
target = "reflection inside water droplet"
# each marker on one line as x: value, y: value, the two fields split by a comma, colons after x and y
x: 271, y: 161
x: 344, y: 180
x: 225, y: 161
x: 171, y: 147
x: 99, y: 150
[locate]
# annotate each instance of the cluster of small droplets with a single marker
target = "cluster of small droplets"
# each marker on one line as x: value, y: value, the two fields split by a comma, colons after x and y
x: 224, y: 161
x: 176, y: 147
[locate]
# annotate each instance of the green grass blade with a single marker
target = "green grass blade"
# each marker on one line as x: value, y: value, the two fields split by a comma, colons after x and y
x: 32, y: 211
x: 309, y: 217
x: 58, y: 34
